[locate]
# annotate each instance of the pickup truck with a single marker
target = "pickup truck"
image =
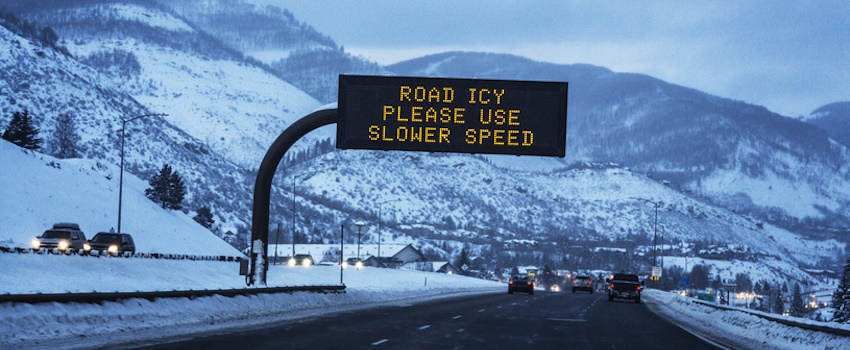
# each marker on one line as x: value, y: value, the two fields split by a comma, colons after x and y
x: 624, y: 286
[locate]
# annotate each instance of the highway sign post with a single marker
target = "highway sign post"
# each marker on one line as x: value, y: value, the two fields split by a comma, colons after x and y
x: 421, y: 114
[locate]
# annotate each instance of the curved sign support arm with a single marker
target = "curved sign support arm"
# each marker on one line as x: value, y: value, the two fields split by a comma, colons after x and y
x: 262, y: 188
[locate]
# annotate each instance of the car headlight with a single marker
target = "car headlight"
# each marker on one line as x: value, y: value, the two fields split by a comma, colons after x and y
x: 86, y: 247
x: 345, y: 264
x: 291, y: 262
x: 113, y: 249
x: 62, y: 245
x: 36, y: 244
x: 307, y: 262
x: 359, y: 264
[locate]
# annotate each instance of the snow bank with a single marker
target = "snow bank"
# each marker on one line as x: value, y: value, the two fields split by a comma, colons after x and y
x: 89, y: 325
x: 740, y: 330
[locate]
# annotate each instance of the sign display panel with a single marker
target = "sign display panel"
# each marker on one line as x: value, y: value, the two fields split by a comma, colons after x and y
x: 452, y: 115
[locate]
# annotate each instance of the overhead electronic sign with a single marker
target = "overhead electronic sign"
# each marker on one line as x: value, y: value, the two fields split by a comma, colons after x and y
x: 452, y: 115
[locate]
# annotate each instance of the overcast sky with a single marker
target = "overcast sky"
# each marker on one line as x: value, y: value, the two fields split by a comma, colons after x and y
x: 790, y: 56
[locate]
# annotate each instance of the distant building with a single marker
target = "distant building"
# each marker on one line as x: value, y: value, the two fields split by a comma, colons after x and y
x: 432, y: 266
x: 392, y: 255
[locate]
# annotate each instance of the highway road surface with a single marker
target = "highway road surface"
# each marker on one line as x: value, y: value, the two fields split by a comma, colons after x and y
x: 495, y: 321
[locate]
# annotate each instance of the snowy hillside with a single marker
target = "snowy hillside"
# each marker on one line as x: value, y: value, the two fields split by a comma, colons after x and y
x: 293, y: 50
x: 834, y: 118
x: 49, y: 84
x: 741, y: 156
x: 456, y: 199
x: 39, y: 190
x: 235, y: 108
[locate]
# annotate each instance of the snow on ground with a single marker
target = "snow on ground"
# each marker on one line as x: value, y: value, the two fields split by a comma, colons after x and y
x: 39, y: 190
x: 52, y: 325
x: 739, y: 330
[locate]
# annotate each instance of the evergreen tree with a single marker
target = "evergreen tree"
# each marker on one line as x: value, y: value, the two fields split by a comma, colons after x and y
x: 205, y: 217
x: 765, y: 301
x: 65, y: 141
x: 22, y: 132
x: 798, y: 309
x: 167, y: 188
x: 158, y: 192
x: 176, y: 191
x: 841, y: 297
x: 778, y: 305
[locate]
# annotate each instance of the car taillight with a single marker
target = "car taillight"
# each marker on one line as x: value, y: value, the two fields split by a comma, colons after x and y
x: 511, y: 282
x: 574, y: 281
x: 528, y: 283
x: 590, y: 283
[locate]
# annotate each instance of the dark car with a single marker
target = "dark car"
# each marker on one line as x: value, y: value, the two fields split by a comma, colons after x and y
x: 520, y: 283
x: 64, y: 236
x: 111, y: 243
x: 625, y: 286
x: 355, y: 262
x: 583, y: 283
x: 301, y: 260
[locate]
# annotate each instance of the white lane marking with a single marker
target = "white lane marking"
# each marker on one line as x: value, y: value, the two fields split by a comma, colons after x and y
x: 425, y: 327
x: 565, y: 319
x: 499, y: 307
x: 482, y: 310
x: 457, y: 317
x: 379, y: 342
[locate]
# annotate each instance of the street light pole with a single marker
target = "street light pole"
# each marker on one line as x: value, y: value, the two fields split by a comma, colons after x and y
x: 380, y: 204
x: 293, y: 207
x: 121, y: 176
x: 655, y: 234
x: 359, y: 225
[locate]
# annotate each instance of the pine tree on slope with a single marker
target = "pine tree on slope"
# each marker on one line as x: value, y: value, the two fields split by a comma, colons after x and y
x: 841, y: 297
x: 176, y: 191
x: 204, y: 217
x: 65, y: 141
x: 158, y: 192
x: 798, y: 309
x: 22, y: 132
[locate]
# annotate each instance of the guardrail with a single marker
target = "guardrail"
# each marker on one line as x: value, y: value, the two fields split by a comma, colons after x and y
x: 167, y: 256
x: 785, y: 321
x: 96, y: 297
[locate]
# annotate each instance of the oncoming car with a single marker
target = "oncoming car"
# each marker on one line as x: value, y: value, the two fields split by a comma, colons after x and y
x: 113, y: 243
x: 64, y: 236
x: 520, y: 283
x: 301, y: 260
x: 356, y: 262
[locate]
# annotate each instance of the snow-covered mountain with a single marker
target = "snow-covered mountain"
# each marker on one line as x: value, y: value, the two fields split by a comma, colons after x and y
x: 741, y: 156
x: 208, y: 90
x: 48, y: 84
x: 39, y: 190
x: 293, y: 50
x: 224, y: 110
x: 834, y: 118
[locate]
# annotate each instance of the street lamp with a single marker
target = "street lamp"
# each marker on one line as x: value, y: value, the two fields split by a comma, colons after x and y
x: 121, y: 177
x: 380, y: 204
x: 359, y: 225
x: 655, y: 234
x: 293, y: 206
